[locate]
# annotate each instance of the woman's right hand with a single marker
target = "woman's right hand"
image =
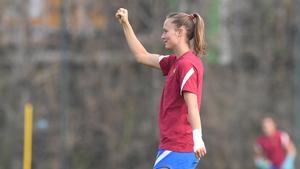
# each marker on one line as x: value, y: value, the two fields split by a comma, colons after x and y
x: 122, y: 15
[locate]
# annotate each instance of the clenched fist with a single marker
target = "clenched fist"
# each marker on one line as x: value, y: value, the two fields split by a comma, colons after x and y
x: 122, y: 15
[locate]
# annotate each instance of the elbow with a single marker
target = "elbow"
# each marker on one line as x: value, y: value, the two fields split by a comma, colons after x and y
x: 141, y: 57
x: 139, y: 60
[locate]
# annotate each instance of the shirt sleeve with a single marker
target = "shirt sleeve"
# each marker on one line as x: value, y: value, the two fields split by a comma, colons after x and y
x: 285, y: 139
x: 187, y: 78
x: 165, y: 63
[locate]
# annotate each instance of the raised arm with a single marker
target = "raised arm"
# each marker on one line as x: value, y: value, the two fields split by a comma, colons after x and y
x: 140, y: 53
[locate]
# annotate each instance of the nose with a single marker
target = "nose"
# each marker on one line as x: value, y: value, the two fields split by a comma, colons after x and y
x: 162, y: 36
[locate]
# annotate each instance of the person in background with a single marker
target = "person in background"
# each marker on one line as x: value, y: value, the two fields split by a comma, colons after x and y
x: 274, y: 149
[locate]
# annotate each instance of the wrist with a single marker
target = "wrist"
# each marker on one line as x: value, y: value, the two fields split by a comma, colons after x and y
x: 197, y: 138
x: 125, y: 23
x: 197, y: 133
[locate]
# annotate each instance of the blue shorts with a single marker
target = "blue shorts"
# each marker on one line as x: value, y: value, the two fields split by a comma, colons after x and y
x: 175, y: 160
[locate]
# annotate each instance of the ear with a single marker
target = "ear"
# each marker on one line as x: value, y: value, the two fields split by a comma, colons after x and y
x: 180, y: 31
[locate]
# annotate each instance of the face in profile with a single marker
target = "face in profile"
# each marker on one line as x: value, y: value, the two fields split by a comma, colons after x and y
x: 170, y: 35
x: 268, y: 126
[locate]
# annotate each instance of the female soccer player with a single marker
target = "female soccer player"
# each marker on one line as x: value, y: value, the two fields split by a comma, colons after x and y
x: 181, y: 145
x: 274, y: 149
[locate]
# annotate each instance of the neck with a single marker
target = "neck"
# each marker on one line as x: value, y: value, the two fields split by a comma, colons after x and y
x: 271, y: 133
x: 181, y: 49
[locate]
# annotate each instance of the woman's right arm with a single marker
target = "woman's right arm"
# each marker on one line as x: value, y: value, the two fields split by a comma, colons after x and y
x: 140, y: 53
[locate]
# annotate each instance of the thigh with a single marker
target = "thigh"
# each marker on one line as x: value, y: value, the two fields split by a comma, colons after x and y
x: 175, y: 160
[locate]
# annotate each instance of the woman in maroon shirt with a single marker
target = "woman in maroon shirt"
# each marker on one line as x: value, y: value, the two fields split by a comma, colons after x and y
x: 274, y: 149
x: 181, y: 143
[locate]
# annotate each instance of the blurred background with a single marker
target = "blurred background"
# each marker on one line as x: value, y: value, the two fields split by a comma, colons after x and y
x: 96, y: 108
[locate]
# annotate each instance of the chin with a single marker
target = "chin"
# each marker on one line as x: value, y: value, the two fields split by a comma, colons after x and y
x: 168, y: 47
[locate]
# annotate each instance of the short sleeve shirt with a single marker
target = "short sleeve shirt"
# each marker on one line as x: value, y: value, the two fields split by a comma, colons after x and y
x: 273, y: 146
x: 183, y: 74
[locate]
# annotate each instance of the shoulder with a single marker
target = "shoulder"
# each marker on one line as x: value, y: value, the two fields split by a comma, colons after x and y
x: 281, y: 133
x: 167, y: 57
x: 185, y: 62
x: 193, y: 58
x: 191, y: 61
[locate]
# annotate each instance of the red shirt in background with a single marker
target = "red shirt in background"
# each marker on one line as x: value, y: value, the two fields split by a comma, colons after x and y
x: 273, y: 147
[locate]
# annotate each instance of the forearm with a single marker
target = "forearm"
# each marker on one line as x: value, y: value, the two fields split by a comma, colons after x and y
x: 195, y: 122
x: 134, y: 44
x: 194, y: 118
x: 140, y: 53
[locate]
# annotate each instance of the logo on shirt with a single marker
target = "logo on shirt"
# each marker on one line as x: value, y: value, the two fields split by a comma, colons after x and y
x: 174, y: 70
